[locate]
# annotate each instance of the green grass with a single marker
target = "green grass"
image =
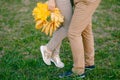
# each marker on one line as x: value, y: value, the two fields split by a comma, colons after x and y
x: 20, y: 58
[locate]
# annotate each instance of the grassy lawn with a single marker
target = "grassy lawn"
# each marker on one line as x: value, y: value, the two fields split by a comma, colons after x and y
x: 20, y: 58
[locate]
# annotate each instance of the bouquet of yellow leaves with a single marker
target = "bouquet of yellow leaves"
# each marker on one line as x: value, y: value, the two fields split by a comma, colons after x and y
x: 47, y: 21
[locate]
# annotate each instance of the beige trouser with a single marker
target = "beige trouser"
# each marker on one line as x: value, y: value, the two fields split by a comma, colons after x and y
x: 80, y: 34
x: 66, y: 10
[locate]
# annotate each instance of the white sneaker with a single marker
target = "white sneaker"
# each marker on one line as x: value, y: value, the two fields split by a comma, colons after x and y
x: 46, y: 55
x: 56, y: 60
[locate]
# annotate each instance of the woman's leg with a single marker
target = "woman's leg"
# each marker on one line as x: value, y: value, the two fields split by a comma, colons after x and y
x: 84, y: 10
x: 55, y: 58
x: 55, y: 42
x: 66, y: 10
x: 57, y: 49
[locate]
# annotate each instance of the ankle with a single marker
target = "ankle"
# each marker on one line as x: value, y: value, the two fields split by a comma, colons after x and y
x: 48, y: 50
x: 78, y: 71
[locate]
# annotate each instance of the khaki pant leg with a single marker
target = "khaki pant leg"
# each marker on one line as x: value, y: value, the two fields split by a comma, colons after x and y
x: 81, y: 18
x: 88, y: 42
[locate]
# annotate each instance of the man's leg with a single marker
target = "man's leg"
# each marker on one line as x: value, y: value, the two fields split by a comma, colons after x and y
x: 81, y: 18
x: 88, y: 42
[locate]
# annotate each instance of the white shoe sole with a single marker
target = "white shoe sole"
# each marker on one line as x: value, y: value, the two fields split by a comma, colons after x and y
x: 56, y: 64
x: 43, y: 57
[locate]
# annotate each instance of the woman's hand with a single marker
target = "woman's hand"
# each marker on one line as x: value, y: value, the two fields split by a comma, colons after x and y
x: 51, y: 5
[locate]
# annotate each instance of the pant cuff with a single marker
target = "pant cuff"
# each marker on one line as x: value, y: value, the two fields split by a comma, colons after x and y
x: 78, y: 70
